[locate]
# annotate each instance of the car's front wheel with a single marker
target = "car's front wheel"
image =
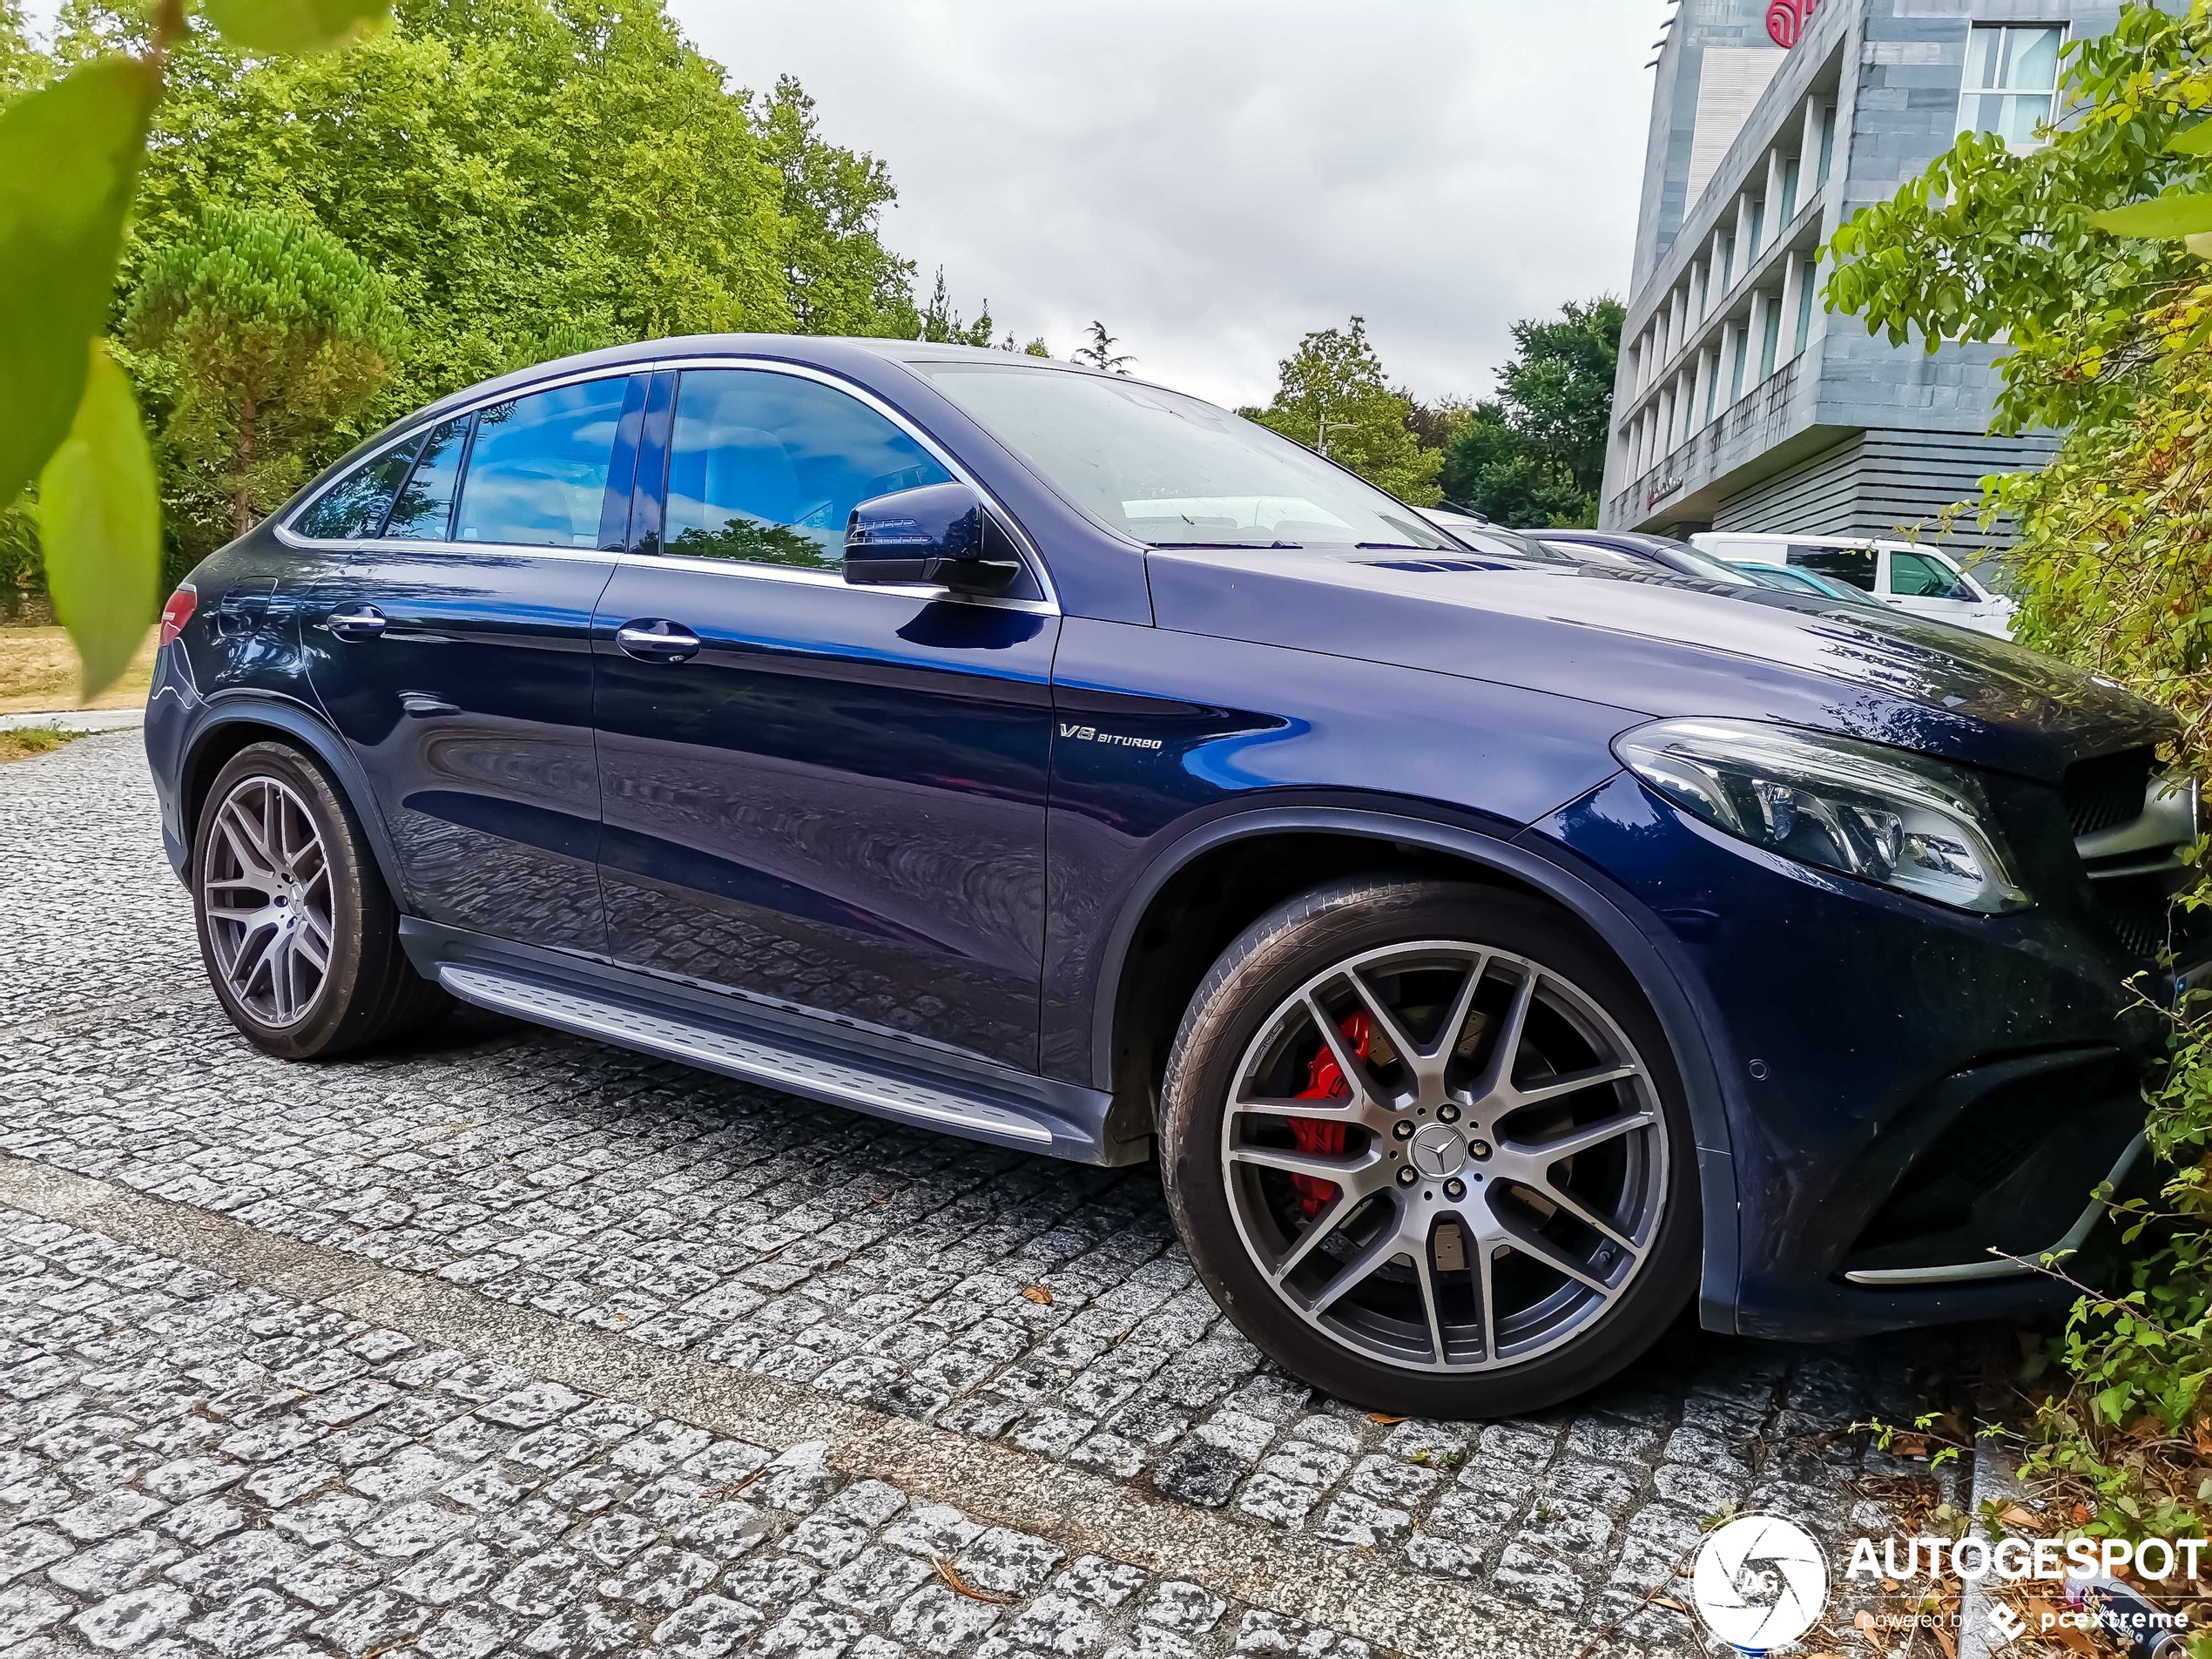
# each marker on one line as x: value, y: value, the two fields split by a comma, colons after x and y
x: 298, y: 933
x: 1426, y: 1145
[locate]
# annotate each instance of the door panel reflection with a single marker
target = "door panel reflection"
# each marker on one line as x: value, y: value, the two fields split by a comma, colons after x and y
x: 838, y: 804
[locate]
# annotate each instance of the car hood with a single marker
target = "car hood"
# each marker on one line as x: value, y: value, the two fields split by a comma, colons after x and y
x: 1660, y: 646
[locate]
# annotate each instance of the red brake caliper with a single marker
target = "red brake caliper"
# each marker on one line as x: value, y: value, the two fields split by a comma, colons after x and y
x: 1325, y: 1080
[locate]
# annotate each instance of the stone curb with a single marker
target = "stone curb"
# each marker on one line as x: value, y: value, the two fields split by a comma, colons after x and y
x: 76, y: 720
x: 1299, y: 1579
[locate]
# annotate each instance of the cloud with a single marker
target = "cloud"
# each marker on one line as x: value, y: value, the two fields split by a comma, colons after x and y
x: 1214, y: 179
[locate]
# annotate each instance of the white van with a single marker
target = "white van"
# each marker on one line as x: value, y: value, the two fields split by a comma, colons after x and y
x: 1911, y: 576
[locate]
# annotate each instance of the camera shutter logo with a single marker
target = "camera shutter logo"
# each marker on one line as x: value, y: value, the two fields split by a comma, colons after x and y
x: 1760, y: 1583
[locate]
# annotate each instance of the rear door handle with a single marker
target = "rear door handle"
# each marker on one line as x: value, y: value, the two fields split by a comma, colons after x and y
x: 656, y: 641
x: 357, y: 622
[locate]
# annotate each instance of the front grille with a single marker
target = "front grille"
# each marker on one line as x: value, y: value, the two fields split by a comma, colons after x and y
x: 2107, y: 791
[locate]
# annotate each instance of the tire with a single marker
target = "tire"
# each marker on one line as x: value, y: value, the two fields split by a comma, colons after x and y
x: 1431, y: 1148
x: 276, y: 830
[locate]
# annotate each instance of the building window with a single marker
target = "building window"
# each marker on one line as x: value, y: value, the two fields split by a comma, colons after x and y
x: 2012, y: 77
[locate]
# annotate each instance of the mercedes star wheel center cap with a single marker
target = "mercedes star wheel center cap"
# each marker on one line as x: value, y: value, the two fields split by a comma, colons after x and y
x: 1439, y: 1150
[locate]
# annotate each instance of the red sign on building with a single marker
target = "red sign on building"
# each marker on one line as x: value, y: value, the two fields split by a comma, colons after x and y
x: 1786, y: 20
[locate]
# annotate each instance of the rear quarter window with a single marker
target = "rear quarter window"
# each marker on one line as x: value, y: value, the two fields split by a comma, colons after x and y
x: 356, y: 505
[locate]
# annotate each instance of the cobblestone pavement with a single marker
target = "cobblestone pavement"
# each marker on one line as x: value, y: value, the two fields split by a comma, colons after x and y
x: 1038, y: 1303
x: 192, y: 1467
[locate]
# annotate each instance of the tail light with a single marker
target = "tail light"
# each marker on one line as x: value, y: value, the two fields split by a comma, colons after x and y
x: 178, y: 612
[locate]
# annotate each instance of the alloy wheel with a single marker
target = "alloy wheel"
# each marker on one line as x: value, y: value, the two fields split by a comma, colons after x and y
x: 267, y: 894
x: 1445, y: 1157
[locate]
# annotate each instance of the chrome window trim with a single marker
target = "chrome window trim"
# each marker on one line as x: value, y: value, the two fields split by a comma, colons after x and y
x: 291, y: 538
x: 1050, y: 605
x: 805, y: 577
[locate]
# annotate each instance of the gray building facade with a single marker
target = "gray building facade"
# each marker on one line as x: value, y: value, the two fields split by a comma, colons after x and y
x: 1741, y: 403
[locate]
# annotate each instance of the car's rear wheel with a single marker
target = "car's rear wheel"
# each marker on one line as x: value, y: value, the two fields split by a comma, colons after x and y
x: 1426, y: 1145
x: 298, y: 931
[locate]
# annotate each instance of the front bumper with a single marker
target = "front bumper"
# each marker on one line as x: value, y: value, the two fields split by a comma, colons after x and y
x: 1905, y: 1088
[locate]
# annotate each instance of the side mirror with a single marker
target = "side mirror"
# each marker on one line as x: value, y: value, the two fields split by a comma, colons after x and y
x: 939, y: 533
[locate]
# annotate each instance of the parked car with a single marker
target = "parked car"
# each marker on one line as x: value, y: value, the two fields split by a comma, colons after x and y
x: 1452, y: 519
x: 1046, y: 758
x: 1786, y: 579
x: 1664, y: 551
x: 1923, y: 580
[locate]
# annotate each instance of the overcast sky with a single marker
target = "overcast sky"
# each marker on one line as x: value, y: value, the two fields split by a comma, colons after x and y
x: 1214, y: 178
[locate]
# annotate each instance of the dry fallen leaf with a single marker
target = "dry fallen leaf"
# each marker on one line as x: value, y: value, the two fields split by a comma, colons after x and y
x: 2202, y: 1435
x: 1038, y: 1294
x: 1384, y: 1417
x: 961, y: 1588
x: 1948, y: 1642
x: 1668, y: 1602
x: 2022, y: 1520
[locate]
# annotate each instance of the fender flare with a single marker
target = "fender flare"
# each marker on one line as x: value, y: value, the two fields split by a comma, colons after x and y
x: 297, y: 721
x: 1649, y: 960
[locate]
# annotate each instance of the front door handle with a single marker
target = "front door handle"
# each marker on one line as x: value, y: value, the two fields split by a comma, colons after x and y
x: 423, y: 707
x: 357, y: 622
x: 656, y: 641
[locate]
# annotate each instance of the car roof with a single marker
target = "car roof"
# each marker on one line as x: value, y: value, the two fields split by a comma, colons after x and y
x: 1868, y: 542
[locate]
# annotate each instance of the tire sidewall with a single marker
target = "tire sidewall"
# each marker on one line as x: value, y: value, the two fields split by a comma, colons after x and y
x: 1266, y: 964
x: 324, y: 1027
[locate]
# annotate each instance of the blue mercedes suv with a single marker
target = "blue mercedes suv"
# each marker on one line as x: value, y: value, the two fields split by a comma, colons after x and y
x: 1498, y: 952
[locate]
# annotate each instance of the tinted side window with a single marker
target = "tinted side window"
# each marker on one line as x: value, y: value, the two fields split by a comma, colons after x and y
x: 767, y: 468
x: 1915, y: 575
x: 424, y: 511
x: 1851, y: 564
x: 356, y: 505
x: 537, y: 474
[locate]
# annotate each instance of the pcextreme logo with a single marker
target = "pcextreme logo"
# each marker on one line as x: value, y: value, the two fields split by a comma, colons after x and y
x: 1092, y: 734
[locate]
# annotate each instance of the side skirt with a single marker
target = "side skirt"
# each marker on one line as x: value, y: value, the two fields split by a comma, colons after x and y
x: 818, y: 1057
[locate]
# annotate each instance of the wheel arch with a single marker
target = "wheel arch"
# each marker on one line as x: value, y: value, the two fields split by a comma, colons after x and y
x: 234, y: 719
x: 1425, y: 845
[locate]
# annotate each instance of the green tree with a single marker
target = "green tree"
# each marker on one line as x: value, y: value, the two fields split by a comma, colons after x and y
x: 1535, y: 455
x: 22, y: 64
x: 840, y: 278
x: 1333, y: 397
x: 1100, y: 353
x: 2074, y: 254
x: 1491, y: 467
x: 274, y: 335
x: 942, y: 323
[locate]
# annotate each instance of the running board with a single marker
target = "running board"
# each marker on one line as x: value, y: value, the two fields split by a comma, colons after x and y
x: 750, y: 1056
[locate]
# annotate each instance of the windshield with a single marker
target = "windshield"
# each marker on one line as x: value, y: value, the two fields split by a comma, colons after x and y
x: 1172, y: 471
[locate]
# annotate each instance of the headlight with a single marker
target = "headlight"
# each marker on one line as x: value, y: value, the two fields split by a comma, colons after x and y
x: 1873, y: 813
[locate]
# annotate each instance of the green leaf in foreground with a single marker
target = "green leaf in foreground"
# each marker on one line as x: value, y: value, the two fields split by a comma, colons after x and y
x: 2161, y: 219
x: 274, y: 26
x: 99, y: 517
x: 68, y: 157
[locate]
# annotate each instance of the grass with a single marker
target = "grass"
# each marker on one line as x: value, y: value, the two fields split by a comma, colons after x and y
x: 39, y: 673
x: 26, y: 741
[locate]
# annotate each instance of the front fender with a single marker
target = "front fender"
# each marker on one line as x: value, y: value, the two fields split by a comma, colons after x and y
x: 1644, y: 948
